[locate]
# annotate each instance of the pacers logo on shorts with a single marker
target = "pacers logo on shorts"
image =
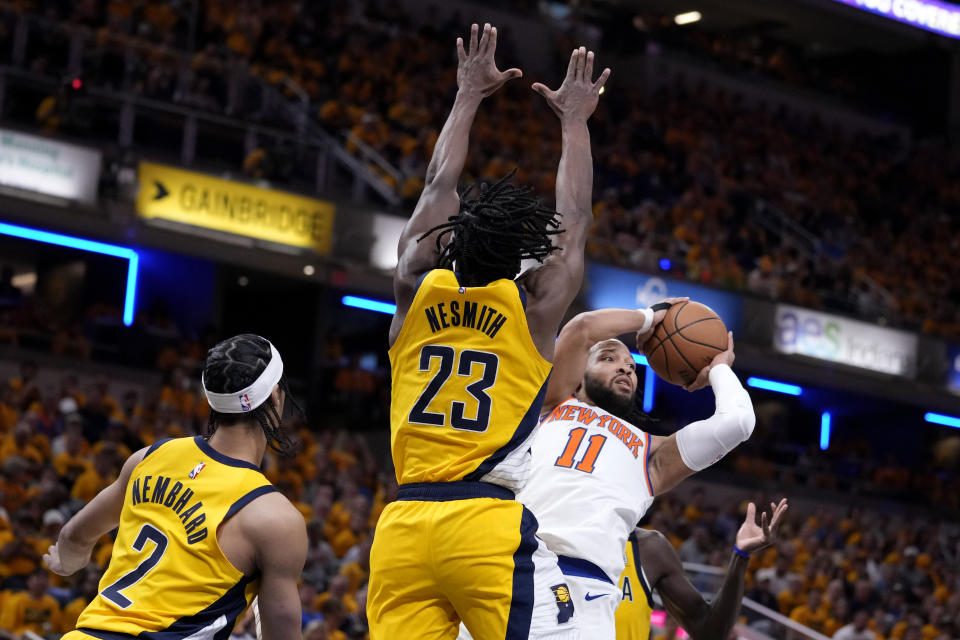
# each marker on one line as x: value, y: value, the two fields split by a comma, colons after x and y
x: 564, y: 604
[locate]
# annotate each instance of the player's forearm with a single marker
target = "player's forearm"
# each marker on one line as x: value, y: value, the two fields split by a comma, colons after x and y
x: 575, y: 178
x: 450, y: 152
x: 725, y: 607
x: 704, y: 442
x: 591, y: 327
x: 75, y: 544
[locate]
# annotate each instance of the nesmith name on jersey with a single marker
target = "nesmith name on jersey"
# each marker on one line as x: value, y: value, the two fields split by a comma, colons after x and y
x: 568, y: 412
x: 175, y: 497
x: 461, y: 313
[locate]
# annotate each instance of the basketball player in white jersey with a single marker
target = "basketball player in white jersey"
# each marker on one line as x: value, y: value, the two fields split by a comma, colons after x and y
x: 594, y: 474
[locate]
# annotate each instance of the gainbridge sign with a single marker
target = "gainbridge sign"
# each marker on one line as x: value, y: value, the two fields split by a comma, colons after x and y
x: 199, y: 200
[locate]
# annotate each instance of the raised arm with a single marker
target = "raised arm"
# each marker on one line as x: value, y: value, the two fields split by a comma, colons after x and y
x: 552, y: 286
x: 700, y: 444
x: 477, y: 78
x: 701, y: 619
x: 587, y: 329
x: 100, y: 516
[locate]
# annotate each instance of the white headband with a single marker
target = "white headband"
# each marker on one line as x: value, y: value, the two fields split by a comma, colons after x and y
x: 253, y: 396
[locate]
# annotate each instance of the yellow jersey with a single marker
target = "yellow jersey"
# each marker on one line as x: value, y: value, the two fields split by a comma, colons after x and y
x: 167, y: 574
x: 467, y: 382
x: 633, y: 614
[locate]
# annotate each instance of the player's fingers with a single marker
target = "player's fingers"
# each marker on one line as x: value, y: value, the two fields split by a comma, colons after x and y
x: 581, y: 61
x: 602, y: 80
x: 510, y: 74
x: 588, y: 67
x: 492, y: 42
x: 484, y: 39
x: 751, y: 513
x: 572, y: 66
x: 473, y: 40
x: 764, y: 524
x: 461, y: 53
x: 541, y: 89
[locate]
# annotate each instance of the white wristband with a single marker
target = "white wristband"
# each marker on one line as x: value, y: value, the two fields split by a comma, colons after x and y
x: 647, y: 320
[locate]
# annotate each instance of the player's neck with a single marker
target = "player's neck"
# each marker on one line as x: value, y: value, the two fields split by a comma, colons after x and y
x: 582, y: 396
x: 240, y: 442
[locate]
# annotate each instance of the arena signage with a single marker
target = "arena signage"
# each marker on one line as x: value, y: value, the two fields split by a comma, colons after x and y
x: 953, y: 373
x: 845, y: 341
x: 932, y: 15
x: 614, y: 287
x: 41, y: 165
x: 200, y: 200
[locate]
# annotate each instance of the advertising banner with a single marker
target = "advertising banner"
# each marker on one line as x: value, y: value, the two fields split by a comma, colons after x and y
x: 49, y: 167
x: 931, y: 15
x: 620, y: 288
x: 851, y: 342
x: 233, y: 207
x: 953, y: 373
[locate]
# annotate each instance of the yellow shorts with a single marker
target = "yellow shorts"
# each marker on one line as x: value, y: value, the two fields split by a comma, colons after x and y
x: 446, y: 552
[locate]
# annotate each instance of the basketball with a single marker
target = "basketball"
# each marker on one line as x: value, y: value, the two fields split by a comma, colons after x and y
x: 685, y: 342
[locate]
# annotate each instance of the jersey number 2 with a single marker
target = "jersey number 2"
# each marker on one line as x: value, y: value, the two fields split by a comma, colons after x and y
x: 147, y: 532
x: 468, y: 357
x: 567, y: 458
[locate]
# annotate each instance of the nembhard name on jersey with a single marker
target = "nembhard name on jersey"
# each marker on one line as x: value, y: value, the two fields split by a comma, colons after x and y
x: 177, y: 499
x: 457, y: 313
x: 586, y: 416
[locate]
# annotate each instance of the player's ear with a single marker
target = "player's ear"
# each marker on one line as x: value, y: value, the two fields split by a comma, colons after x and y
x: 277, y: 396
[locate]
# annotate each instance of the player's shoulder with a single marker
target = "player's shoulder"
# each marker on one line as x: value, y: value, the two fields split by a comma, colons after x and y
x: 270, y: 506
x: 650, y: 537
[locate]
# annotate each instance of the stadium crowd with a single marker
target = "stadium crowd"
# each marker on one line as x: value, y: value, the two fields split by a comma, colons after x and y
x: 59, y: 446
x: 683, y: 176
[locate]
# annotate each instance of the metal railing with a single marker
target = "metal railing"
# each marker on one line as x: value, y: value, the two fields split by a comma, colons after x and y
x: 244, y: 102
x: 811, y: 245
x: 763, y: 623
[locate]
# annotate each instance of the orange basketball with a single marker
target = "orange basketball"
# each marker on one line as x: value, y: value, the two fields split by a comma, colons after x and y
x: 685, y: 342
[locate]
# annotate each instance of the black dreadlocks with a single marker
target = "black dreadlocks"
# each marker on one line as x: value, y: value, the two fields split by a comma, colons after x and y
x: 493, y: 232
x: 234, y: 364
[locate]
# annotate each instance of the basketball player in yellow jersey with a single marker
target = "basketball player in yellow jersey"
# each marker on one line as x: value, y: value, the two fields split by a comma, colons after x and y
x: 201, y: 530
x: 470, y: 355
x: 652, y: 564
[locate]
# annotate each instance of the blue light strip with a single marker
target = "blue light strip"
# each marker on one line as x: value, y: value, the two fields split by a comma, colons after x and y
x: 649, y: 382
x: 369, y: 305
x: 945, y: 420
x: 825, y: 420
x: 92, y: 246
x: 773, y: 385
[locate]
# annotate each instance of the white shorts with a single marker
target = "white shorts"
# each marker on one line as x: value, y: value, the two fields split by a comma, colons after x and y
x: 556, y: 616
x: 596, y: 602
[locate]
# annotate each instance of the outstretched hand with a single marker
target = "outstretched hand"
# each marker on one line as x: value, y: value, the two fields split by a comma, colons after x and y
x: 724, y: 357
x: 577, y: 97
x: 477, y: 71
x: 61, y: 566
x: 753, y: 537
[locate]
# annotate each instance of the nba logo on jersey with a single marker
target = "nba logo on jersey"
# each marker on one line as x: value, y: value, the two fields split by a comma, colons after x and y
x: 244, y: 402
x: 196, y: 470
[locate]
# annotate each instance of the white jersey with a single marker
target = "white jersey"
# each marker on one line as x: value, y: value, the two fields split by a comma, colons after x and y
x: 589, y: 484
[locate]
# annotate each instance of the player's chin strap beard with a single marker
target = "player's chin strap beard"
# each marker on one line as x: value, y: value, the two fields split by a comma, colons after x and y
x: 608, y: 399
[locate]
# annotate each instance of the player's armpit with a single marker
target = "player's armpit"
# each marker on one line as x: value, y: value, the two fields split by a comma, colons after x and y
x: 666, y: 466
x: 279, y: 536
